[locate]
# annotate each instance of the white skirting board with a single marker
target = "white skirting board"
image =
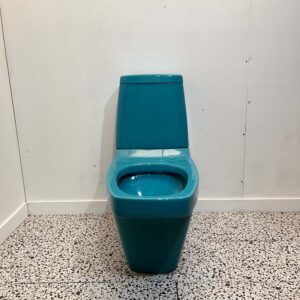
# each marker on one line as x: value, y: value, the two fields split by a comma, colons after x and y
x: 208, y: 204
x: 13, y: 221
x: 68, y: 207
x: 248, y: 204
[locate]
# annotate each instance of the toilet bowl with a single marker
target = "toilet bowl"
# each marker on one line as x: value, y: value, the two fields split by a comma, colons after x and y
x: 152, y: 180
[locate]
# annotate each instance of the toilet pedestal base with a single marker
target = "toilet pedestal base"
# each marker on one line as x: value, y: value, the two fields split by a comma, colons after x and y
x: 152, y: 245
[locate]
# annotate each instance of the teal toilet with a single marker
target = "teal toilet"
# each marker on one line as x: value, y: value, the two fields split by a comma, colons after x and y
x: 152, y: 180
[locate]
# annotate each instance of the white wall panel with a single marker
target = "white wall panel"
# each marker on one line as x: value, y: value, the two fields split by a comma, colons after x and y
x: 275, y: 44
x: 66, y: 58
x: 272, y: 166
x: 273, y: 143
x: 11, y: 186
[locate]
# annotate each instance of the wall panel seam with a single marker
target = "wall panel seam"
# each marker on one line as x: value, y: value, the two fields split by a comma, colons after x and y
x: 12, y: 103
x: 248, y: 61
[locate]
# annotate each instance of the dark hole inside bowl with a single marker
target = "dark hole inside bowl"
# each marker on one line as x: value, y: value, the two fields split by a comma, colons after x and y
x: 152, y: 183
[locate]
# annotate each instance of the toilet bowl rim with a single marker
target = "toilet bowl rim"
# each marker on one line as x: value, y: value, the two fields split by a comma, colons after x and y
x: 186, y: 169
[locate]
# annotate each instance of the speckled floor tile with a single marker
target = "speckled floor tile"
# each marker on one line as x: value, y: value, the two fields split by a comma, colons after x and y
x: 236, y: 291
x: 258, y: 226
x: 256, y: 254
x: 271, y: 263
x: 84, y: 248
x: 103, y: 290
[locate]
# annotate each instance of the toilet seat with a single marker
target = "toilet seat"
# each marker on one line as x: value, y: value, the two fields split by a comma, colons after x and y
x: 167, y: 180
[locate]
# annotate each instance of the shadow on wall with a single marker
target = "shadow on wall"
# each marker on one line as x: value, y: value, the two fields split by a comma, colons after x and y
x: 108, y: 145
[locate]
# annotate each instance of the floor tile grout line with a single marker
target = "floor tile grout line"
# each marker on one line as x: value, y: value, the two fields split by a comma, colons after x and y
x: 56, y: 282
x: 84, y: 282
x: 177, y: 293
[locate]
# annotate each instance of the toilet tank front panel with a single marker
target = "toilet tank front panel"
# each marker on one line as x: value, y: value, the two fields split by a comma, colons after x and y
x: 151, y: 116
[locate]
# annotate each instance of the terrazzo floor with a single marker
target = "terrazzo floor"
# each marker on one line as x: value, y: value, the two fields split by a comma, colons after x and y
x: 226, y: 256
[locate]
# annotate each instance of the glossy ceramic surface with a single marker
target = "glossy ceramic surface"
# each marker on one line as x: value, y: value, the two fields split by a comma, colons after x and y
x: 152, y: 180
x: 152, y: 183
x: 152, y: 245
x: 151, y: 78
x: 179, y: 204
x: 151, y: 113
